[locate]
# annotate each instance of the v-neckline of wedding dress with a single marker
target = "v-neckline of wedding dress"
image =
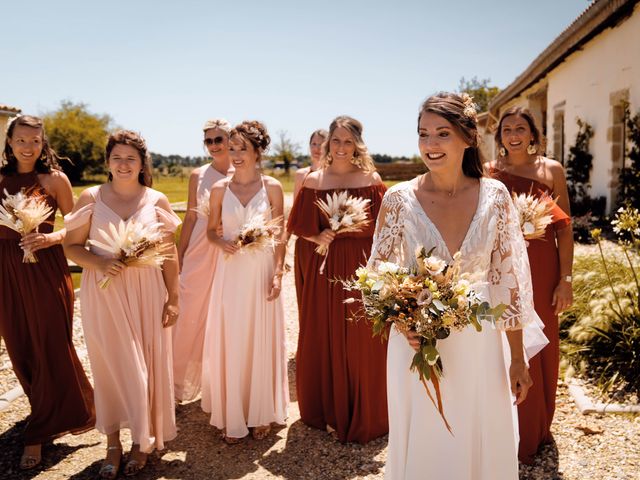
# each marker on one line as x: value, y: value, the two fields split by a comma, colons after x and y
x: 440, y: 238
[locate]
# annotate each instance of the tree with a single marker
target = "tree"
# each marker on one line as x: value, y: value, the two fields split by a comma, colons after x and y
x: 630, y: 173
x: 579, y: 165
x: 480, y: 90
x: 286, y: 150
x: 79, y: 135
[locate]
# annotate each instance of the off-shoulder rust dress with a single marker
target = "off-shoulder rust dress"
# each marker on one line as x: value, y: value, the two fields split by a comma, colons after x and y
x: 36, y: 315
x: 535, y: 414
x: 340, y: 367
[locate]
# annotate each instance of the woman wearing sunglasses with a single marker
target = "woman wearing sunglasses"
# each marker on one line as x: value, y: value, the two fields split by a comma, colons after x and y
x: 197, y: 257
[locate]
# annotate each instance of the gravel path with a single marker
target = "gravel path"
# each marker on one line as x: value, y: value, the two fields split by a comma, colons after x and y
x: 587, y: 447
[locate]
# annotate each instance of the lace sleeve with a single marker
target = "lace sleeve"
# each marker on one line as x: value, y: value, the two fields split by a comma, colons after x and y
x: 510, y: 275
x: 389, y: 234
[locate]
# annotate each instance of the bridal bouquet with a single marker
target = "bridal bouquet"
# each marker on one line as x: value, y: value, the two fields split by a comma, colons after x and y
x: 431, y: 300
x: 135, y: 244
x: 257, y: 233
x: 534, y: 214
x: 345, y: 214
x: 24, y: 213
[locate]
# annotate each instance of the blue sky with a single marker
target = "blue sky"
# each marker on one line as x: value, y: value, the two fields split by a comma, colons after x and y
x: 164, y: 67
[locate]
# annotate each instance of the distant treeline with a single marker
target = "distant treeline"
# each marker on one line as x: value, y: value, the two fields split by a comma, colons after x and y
x: 160, y: 160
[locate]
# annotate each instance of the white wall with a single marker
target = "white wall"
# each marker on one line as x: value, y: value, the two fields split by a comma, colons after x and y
x: 608, y: 63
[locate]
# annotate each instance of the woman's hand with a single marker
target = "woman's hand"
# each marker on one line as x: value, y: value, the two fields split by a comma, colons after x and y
x: 170, y: 312
x: 414, y: 340
x: 276, y: 287
x: 520, y: 380
x: 111, y: 267
x: 324, y: 238
x: 229, y: 248
x: 33, y: 242
x: 562, y: 297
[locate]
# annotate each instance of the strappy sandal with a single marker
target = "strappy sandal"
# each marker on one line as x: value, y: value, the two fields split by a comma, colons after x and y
x: 260, y: 433
x: 29, y: 461
x: 230, y: 440
x: 109, y: 469
x: 134, y: 465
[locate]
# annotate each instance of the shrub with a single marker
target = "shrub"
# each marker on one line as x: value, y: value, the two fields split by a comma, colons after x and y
x: 601, y: 332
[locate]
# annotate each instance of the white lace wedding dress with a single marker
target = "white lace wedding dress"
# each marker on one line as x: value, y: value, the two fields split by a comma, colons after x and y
x: 475, y: 387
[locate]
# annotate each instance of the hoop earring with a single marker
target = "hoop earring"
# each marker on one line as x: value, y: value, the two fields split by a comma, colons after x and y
x: 502, y: 152
x: 532, y: 149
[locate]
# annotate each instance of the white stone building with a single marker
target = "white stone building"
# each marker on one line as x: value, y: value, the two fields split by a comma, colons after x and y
x: 588, y: 72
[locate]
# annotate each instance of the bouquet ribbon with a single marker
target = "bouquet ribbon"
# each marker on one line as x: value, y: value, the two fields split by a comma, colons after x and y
x: 436, y: 387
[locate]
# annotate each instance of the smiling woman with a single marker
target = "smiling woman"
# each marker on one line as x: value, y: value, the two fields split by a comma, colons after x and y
x: 522, y: 168
x: 244, y: 376
x: 197, y: 257
x: 36, y: 299
x: 454, y: 212
x: 126, y: 324
x: 339, y: 365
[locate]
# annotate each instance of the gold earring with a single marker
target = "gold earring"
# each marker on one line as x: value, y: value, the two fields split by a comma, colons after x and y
x: 502, y: 152
x: 532, y: 149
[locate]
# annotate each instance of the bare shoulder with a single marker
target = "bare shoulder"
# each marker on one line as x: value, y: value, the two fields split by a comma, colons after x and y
x: 271, y: 184
x: 301, y: 173
x: 87, y: 197
x: 161, y: 200
x: 313, y: 179
x: 219, y: 187
x: 376, y: 179
x: 555, y: 168
x: 195, y: 173
x: 59, y: 179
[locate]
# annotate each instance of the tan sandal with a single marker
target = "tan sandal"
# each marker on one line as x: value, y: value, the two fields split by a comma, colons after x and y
x: 262, y: 432
x: 30, y: 460
x: 109, y: 469
x: 135, y: 465
x: 230, y: 440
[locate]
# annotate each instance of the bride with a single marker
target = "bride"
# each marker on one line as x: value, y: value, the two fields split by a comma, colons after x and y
x: 454, y: 208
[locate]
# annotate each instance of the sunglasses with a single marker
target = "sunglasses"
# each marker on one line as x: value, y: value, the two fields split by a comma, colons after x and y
x: 213, y: 141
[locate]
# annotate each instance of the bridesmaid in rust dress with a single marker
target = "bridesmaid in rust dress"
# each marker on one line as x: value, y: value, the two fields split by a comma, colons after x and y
x: 36, y: 299
x: 523, y: 170
x: 340, y: 367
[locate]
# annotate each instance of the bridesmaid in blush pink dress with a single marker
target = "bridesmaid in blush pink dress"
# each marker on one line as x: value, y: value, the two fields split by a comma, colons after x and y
x: 244, y: 376
x: 197, y: 257
x: 125, y: 324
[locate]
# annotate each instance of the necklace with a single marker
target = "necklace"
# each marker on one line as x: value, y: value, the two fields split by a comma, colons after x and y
x: 449, y: 194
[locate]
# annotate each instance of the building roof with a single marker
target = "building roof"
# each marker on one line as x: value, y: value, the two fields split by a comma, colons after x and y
x: 7, y: 109
x: 598, y: 16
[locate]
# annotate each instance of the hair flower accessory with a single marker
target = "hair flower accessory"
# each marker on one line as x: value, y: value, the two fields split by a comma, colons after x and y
x: 470, y: 108
x: 255, y: 132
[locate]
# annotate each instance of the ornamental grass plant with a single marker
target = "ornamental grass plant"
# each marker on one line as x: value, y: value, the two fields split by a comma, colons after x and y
x: 601, y: 332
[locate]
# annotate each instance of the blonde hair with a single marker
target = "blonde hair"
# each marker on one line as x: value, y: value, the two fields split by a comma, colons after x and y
x: 361, y: 157
x: 220, y: 123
